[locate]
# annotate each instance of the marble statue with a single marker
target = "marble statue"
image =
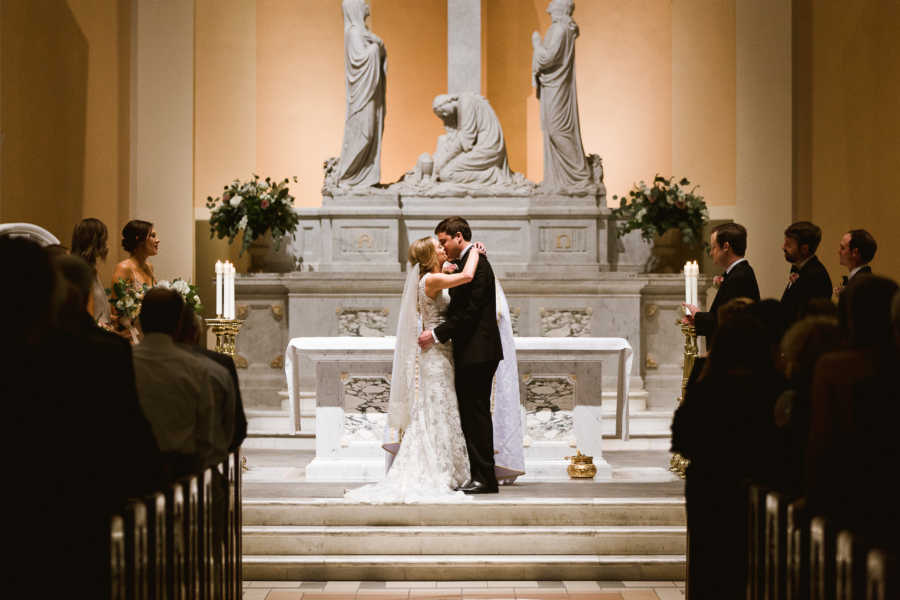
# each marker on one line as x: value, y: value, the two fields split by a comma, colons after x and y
x: 366, y: 68
x: 553, y: 74
x: 473, y: 150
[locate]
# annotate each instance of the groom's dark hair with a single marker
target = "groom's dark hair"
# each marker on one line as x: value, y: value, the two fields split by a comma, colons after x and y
x: 453, y: 225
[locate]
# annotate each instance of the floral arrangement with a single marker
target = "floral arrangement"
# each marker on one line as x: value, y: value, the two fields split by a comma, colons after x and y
x: 661, y: 206
x: 187, y: 290
x: 126, y: 298
x: 254, y: 207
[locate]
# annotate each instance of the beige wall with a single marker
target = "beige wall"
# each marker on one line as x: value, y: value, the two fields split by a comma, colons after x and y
x: 703, y: 97
x: 65, y: 97
x: 854, y: 126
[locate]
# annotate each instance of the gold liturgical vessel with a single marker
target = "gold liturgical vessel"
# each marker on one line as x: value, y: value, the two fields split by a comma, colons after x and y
x: 581, y: 466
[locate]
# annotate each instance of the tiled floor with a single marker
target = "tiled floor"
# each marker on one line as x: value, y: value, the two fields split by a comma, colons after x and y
x: 464, y: 590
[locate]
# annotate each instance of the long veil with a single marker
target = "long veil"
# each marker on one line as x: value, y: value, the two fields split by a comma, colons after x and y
x: 509, y: 452
x: 403, y: 372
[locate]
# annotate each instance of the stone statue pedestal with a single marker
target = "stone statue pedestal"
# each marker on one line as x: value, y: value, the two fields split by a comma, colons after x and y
x: 524, y: 230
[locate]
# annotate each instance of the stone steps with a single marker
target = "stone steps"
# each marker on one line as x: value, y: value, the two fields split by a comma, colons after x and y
x: 471, y: 567
x: 516, y: 538
x: 479, y: 539
x: 522, y: 512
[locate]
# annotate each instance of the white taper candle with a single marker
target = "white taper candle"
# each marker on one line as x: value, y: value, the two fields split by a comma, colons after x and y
x: 219, y: 288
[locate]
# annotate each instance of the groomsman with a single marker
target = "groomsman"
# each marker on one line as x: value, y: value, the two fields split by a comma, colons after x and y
x: 808, y: 278
x: 727, y: 246
x: 856, y: 251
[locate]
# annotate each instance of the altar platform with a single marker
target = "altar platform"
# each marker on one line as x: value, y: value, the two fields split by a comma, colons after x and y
x: 631, y: 527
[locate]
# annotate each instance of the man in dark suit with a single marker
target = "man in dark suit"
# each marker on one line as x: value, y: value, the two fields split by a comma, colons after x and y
x: 808, y: 278
x: 471, y: 323
x: 727, y: 246
x: 856, y: 251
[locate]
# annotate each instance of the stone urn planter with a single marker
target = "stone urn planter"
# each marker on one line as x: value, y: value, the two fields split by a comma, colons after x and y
x: 265, y: 259
x: 669, y: 253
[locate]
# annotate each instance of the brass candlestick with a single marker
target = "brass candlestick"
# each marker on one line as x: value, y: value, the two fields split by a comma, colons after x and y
x: 226, y: 331
x: 678, y: 464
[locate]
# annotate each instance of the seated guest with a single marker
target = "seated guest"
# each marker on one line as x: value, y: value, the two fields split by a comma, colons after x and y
x: 808, y: 278
x: 727, y: 246
x: 119, y: 415
x: 854, y: 409
x: 175, y: 390
x: 224, y: 378
x: 856, y: 251
x: 804, y: 343
x: 724, y: 428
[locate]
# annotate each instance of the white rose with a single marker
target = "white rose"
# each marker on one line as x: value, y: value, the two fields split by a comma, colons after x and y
x: 235, y: 200
x: 181, y: 286
x: 196, y: 298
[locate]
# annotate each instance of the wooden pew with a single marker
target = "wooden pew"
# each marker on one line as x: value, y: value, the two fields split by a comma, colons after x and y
x: 177, y: 550
x: 137, y: 554
x: 191, y: 490
x: 158, y: 542
x: 775, y: 547
x: 117, y: 558
x: 881, y: 573
x: 756, y: 522
x: 797, y: 551
x: 233, y: 589
x: 207, y: 522
x: 850, y: 566
x: 821, y: 559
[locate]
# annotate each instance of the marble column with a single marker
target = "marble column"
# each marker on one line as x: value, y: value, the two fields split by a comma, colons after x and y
x: 463, y: 46
x: 162, y: 130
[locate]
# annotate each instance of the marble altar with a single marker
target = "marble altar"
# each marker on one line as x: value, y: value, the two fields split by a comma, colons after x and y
x: 560, y: 388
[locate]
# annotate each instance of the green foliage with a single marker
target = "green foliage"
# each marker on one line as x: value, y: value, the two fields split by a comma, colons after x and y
x: 254, y: 207
x: 664, y: 205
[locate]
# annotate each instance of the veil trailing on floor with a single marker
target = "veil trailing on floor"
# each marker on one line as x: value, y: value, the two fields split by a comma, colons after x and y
x: 506, y: 412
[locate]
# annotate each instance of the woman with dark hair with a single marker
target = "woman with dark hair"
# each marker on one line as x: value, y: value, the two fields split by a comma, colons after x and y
x: 89, y: 241
x: 139, y: 239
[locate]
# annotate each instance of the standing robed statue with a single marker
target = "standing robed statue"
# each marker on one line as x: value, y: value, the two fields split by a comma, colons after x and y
x: 366, y: 69
x: 553, y: 76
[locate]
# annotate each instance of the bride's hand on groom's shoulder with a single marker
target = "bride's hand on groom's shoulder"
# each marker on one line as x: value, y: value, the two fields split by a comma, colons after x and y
x: 480, y: 247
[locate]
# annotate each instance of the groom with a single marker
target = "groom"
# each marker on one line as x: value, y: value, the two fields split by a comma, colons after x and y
x: 471, y: 323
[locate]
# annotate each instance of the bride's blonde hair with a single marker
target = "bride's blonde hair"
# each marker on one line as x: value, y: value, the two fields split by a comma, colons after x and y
x: 423, y: 253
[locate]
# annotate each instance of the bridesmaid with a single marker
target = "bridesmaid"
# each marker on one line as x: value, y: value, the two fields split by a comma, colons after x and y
x: 140, y: 240
x: 89, y: 241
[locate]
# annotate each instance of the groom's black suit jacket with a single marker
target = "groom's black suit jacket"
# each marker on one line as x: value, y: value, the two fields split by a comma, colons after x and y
x: 739, y: 283
x: 471, y: 320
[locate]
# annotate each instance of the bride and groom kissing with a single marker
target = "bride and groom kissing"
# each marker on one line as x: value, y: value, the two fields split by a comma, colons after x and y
x: 443, y: 393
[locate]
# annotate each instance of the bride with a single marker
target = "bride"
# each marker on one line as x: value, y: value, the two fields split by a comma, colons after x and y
x: 432, y: 460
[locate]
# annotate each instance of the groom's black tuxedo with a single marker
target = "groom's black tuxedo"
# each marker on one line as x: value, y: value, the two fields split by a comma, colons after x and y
x: 471, y: 323
x: 471, y: 320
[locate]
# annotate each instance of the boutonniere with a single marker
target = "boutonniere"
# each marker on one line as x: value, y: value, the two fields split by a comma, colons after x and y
x: 793, y: 278
x: 717, y: 281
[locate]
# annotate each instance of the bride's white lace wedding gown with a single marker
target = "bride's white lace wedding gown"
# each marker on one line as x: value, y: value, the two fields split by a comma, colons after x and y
x: 432, y: 459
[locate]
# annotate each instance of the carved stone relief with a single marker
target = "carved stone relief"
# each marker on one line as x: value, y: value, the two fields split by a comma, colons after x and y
x: 514, y: 314
x: 362, y: 322
x: 566, y: 322
x: 559, y: 239
x: 549, y: 406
